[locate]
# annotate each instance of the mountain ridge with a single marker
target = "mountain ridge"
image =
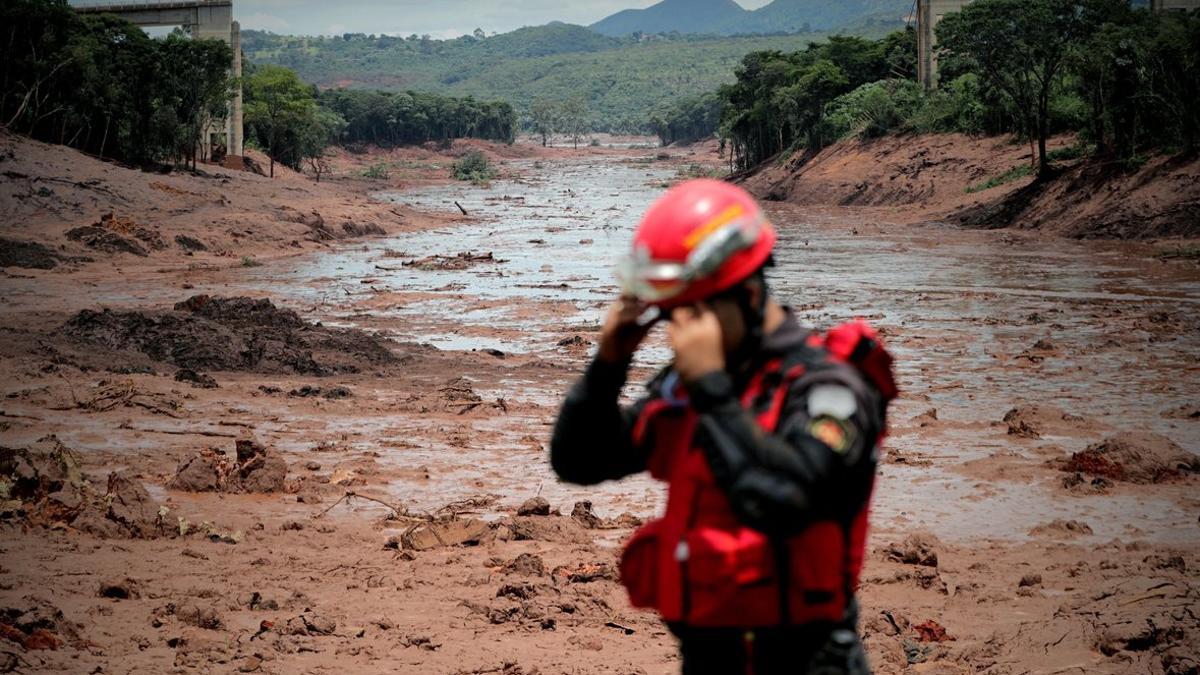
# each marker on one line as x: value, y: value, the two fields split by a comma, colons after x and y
x: 725, y: 17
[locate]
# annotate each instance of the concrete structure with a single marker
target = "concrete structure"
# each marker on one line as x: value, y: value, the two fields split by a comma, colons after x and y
x: 929, y: 13
x: 202, y: 19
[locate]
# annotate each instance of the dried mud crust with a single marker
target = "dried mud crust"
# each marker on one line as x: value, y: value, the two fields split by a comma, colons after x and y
x: 231, y: 334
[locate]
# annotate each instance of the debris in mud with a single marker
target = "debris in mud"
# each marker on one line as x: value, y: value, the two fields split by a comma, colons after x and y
x: 256, y: 469
x: 535, y: 506
x: 919, y: 548
x: 198, y: 380
x: 442, y: 532
x: 931, y: 631
x: 1079, y: 484
x: 196, y: 614
x: 206, y: 333
x: 926, y: 418
x: 575, y: 341
x: 42, y: 485
x: 132, y: 507
x: 106, y: 241
x: 127, y: 395
x: 460, y: 261
x: 38, y: 627
x: 526, y: 563
x: 310, y: 623
x: 27, y: 255
x: 113, y: 234
x: 582, y: 513
x: 1134, y: 457
x: 1034, y: 421
x: 1039, y: 352
x: 190, y: 244
x: 1061, y: 529
x: 120, y: 589
x: 584, y: 573
x: 334, y: 393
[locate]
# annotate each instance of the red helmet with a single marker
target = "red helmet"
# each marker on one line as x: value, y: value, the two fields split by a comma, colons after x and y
x: 700, y: 238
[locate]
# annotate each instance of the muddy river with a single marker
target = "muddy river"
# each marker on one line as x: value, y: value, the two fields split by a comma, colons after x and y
x: 979, y: 322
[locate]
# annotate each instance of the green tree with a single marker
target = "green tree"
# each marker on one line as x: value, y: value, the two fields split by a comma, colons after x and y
x: 544, y: 114
x: 573, y: 116
x: 319, y: 130
x: 277, y: 108
x: 1020, y: 47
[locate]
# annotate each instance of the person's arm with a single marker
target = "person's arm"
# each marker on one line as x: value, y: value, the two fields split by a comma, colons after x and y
x: 822, y: 454
x: 593, y: 436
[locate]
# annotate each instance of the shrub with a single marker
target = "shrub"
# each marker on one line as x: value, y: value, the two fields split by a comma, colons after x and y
x: 475, y: 167
x: 873, y: 109
x: 1019, y: 171
x: 956, y: 106
x: 376, y: 171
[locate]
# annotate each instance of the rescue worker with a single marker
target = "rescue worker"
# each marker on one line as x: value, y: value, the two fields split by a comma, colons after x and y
x: 764, y: 431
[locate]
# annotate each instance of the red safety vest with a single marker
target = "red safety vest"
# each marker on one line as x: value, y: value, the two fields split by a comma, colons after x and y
x: 699, y: 565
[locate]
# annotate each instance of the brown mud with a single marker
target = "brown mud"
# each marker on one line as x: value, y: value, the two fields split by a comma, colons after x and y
x: 948, y: 177
x: 334, y: 461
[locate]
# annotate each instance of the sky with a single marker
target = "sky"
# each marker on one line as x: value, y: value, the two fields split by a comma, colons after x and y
x: 439, y: 18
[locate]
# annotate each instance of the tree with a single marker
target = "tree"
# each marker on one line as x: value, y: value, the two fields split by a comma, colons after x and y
x: 544, y: 115
x: 320, y: 130
x: 277, y: 107
x: 1020, y: 47
x: 573, y: 116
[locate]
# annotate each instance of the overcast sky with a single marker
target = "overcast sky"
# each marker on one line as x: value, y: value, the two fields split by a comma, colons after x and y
x: 439, y: 18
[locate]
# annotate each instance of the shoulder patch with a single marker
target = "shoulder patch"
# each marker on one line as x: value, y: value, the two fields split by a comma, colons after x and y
x: 831, y: 400
x: 835, y: 433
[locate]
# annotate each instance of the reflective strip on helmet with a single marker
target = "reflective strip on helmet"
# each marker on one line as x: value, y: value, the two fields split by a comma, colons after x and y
x: 723, y: 218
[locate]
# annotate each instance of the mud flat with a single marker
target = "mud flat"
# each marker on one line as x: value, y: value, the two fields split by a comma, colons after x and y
x: 1036, y: 509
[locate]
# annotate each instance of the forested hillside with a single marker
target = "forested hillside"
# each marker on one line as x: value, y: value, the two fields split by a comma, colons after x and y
x: 724, y: 17
x: 621, y: 80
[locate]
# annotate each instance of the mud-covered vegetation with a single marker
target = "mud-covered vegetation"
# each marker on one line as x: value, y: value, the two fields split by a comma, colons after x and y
x: 101, y: 85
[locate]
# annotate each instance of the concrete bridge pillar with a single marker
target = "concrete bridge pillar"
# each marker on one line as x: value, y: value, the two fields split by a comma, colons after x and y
x: 234, y: 132
x: 929, y: 13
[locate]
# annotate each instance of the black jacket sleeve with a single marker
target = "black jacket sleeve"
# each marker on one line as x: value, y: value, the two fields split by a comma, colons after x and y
x: 778, y: 483
x: 593, y: 436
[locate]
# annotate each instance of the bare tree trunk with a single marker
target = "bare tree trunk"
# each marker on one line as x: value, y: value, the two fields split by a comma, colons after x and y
x: 104, y: 140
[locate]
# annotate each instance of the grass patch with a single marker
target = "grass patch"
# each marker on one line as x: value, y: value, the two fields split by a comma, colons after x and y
x: 1191, y: 253
x: 475, y: 167
x: 1015, y: 173
x: 377, y: 171
x: 1068, y: 153
x: 699, y: 171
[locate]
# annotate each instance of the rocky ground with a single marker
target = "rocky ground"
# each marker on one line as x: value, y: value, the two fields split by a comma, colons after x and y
x: 208, y: 465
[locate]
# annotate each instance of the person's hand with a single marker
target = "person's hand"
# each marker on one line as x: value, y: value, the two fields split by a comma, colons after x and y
x: 621, y: 335
x: 695, y: 335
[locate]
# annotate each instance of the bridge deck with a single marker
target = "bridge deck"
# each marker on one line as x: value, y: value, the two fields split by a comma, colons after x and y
x: 118, y: 6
